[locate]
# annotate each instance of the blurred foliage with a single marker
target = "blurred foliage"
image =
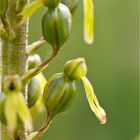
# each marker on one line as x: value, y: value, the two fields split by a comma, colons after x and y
x: 138, y: 137
x: 112, y: 69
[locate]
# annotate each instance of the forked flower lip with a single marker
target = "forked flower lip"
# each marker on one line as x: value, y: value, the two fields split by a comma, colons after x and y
x: 93, y: 101
x: 102, y: 118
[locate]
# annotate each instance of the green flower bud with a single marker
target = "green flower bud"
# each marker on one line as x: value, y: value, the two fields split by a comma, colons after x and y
x: 3, y: 6
x: 71, y: 4
x: 51, y: 4
x: 34, y: 91
x: 58, y: 94
x: 75, y: 69
x: 56, y: 26
x: 12, y: 83
x: 34, y: 61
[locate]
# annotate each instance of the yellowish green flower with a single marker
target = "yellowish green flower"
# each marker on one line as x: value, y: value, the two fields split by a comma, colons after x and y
x: 76, y: 69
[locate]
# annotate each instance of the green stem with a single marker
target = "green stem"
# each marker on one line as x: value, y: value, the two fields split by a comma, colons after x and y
x: 41, y: 131
x: 0, y: 69
x: 3, y: 34
x: 44, y: 127
x: 31, y: 73
x: 14, y: 51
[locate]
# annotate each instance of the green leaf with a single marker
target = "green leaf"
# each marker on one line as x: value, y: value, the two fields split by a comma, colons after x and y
x: 88, y: 21
x: 93, y: 101
x: 29, y: 9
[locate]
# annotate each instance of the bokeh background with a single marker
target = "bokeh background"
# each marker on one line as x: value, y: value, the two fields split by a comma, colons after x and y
x: 112, y: 69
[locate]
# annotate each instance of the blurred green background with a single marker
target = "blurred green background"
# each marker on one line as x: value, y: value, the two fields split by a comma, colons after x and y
x: 112, y: 69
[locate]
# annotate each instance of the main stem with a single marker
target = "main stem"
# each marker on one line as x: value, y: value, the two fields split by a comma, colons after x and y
x: 14, y: 50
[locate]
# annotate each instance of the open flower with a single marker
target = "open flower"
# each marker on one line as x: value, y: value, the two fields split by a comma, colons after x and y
x: 14, y: 105
x: 76, y: 69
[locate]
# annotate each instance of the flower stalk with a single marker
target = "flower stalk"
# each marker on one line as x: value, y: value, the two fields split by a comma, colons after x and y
x: 22, y: 84
x: 31, y: 73
x: 35, y: 46
x: 41, y: 131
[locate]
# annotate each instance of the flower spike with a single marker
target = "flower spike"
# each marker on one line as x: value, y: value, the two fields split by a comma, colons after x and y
x: 93, y: 101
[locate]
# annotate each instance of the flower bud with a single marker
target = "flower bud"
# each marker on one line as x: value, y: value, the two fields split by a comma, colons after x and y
x: 75, y: 69
x: 71, y: 4
x: 39, y: 106
x: 12, y: 83
x: 34, y: 61
x: 58, y: 94
x: 51, y: 4
x: 56, y: 26
x: 34, y: 91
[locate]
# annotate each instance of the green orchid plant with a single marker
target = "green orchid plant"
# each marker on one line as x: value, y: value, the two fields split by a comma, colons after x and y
x: 22, y: 83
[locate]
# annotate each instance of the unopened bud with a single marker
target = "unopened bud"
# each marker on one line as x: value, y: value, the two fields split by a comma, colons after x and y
x: 51, y: 4
x: 71, y: 4
x: 34, y: 91
x: 58, y: 94
x: 34, y: 61
x: 75, y: 69
x: 56, y: 26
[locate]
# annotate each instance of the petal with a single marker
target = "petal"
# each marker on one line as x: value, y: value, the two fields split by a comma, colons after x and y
x: 10, y: 112
x: 93, y: 101
x: 88, y: 21
x: 23, y: 111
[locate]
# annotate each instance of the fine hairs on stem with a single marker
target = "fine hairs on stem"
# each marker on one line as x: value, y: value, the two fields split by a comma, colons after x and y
x: 21, y: 69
